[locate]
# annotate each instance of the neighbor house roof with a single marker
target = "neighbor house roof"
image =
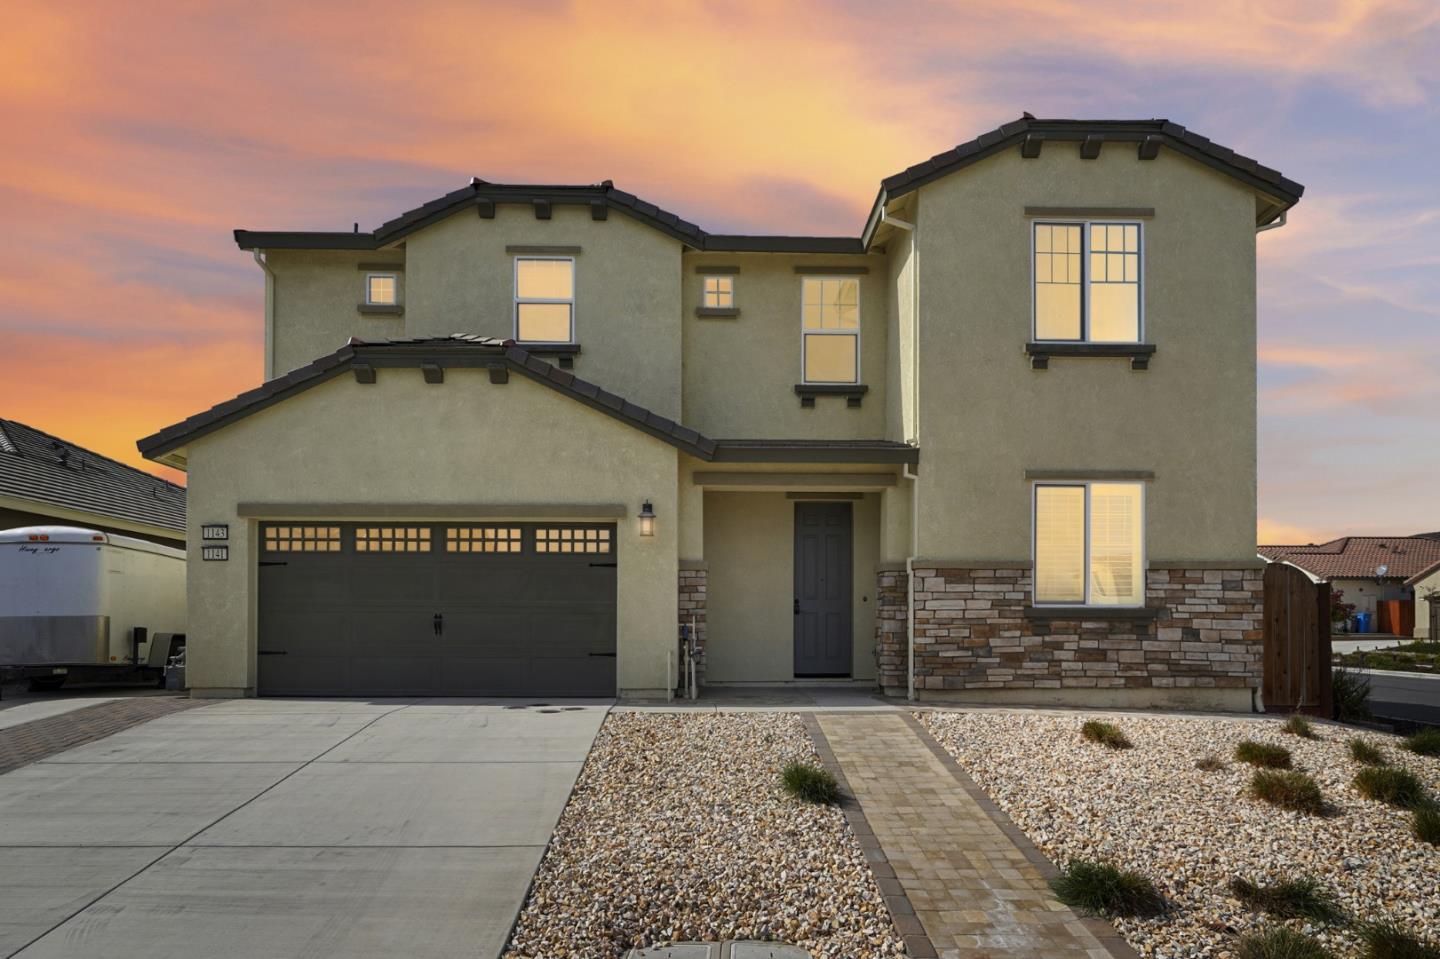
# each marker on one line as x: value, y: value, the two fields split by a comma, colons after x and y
x: 1357, y: 557
x: 41, y: 470
x: 1031, y: 134
x: 468, y: 350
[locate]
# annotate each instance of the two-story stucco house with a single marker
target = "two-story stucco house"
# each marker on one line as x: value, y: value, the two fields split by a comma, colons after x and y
x: 998, y: 447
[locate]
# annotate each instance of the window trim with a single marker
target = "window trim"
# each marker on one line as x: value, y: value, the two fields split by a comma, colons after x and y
x: 1085, y: 223
x: 859, y: 327
x: 379, y: 274
x: 517, y: 300
x: 1035, y: 600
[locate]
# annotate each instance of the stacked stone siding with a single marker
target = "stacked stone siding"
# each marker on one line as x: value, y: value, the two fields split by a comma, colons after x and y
x: 972, y: 633
x: 891, y: 601
x: 693, y: 588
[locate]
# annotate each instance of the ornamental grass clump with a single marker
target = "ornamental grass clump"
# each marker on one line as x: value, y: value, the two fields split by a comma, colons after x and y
x: 1302, y: 898
x: 1106, y: 734
x: 1392, y: 785
x: 1384, y: 940
x: 1102, y: 889
x: 1288, y: 790
x: 810, y: 783
x: 1366, y: 754
x: 1262, y: 754
x: 1424, y: 743
x: 1298, y: 725
x: 1280, y: 943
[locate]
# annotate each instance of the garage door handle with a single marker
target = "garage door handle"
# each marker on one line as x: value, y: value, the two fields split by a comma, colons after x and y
x: 608, y: 655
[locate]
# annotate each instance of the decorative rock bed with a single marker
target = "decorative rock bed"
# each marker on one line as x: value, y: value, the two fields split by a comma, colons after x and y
x: 677, y: 831
x: 1150, y: 809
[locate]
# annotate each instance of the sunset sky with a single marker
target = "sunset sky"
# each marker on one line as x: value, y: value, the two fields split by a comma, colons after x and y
x: 138, y: 135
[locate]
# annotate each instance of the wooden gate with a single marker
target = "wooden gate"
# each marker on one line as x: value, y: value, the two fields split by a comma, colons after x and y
x: 1297, y: 643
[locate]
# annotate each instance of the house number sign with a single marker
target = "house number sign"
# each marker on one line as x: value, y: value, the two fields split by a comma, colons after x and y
x: 221, y: 553
x: 215, y: 531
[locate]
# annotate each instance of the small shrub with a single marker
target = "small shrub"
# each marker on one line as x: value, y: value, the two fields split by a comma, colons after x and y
x: 1391, y: 784
x: 1424, y: 743
x: 1100, y: 888
x: 1351, y: 693
x: 1262, y: 754
x: 1210, y: 764
x: 1288, y: 790
x: 1288, y: 899
x: 1280, y: 943
x: 1366, y: 754
x: 810, y: 783
x: 1385, y: 940
x: 1106, y: 734
x: 1298, y: 725
x: 1426, y: 825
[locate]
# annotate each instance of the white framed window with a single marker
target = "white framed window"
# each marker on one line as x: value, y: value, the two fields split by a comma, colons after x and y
x: 830, y: 329
x: 1089, y: 544
x: 381, y: 289
x: 545, y: 299
x: 718, y: 292
x: 1087, y: 281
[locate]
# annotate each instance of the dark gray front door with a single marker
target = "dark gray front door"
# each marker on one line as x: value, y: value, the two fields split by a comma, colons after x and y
x: 437, y: 609
x: 822, y: 589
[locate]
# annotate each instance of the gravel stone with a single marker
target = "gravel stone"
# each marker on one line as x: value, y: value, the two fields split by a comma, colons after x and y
x: 1190, y: 831
x: 677, y: 830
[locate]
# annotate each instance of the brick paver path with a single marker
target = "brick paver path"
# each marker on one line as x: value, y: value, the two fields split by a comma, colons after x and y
x: 33, y: 741
x: 977, y: 886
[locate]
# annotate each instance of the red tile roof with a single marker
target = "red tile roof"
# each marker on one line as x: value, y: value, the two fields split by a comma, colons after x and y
x: 1357, y: 557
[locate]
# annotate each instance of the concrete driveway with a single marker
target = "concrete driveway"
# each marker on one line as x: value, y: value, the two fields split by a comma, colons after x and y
x: 264, y: 828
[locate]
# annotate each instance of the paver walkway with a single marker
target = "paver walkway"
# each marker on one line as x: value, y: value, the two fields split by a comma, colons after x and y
x: 978, y: 888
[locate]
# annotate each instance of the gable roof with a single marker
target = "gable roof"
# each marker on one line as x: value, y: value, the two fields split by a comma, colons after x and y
x: 1357, y: 557
x: 1149, y: 135
x: 48, y: 471
x: 469, y: 350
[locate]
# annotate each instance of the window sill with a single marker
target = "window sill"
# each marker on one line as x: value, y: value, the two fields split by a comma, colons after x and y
x: 717, y: 312
x: 380, y: 309
x: 1138, y: 353
x: 564, y: 353
x: 1091, y: 613
x: 854, y: 393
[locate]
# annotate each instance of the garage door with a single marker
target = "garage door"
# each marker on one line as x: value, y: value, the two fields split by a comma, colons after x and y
x: 452, y: 609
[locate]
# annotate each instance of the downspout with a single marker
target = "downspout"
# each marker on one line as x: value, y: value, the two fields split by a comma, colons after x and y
x: 269, y: 313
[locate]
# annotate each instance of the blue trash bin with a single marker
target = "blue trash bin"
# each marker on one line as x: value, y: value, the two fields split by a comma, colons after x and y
x: 1362, y: 622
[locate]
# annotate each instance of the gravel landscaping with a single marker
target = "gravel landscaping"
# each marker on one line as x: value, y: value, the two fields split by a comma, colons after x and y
x: 1191, y: 831
x: 678, y: 830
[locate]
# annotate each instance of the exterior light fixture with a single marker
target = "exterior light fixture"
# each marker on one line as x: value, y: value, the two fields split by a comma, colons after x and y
x: 647, y: 519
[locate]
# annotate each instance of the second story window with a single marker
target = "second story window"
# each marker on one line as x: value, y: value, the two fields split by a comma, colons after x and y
x: 830, y: 329
x: 545, y: 299
x: 719, y: 293
x: 381, y: 289
x: 1087, y: 282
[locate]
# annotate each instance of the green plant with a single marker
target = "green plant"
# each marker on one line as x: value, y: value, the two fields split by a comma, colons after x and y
x: 1280, y: 943
x: 1298, y: 725
x: 810, y: 783
x: 1210, y: 764
x: 1392, y: 785
x: 1262, y: 754
x: 1100, y: 888
x: 1106, y: 734
x: 1366, y: 754
x: 1384, y: 940
x: 1424, y: 743
x: 1351, y: 693
x: 1288, y: 790
x: 1426, y: 824
x: 1301, y: 898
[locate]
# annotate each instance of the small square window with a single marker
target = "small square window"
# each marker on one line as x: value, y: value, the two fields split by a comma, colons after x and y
x: 381, y: 289
x: 719, y: 293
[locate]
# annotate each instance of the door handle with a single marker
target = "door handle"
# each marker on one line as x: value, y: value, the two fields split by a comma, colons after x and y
x: 439, y: 623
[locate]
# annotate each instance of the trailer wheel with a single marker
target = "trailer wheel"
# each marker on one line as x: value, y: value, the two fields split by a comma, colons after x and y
x: 46, y: 684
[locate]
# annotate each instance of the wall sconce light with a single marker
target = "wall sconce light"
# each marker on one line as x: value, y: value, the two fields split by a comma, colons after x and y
x: 647, y: 519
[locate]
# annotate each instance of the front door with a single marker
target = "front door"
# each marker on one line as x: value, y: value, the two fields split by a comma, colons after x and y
x: 823, y: 609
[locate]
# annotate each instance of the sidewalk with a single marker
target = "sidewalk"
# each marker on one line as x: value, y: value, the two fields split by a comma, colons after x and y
x: 977, y: 886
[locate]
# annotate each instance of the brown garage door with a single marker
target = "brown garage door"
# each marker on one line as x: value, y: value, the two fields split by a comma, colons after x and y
x: 437, y: 609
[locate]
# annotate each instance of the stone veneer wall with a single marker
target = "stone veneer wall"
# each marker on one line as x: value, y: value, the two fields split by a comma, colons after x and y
x: 972, y: 634
x: 693, y: 589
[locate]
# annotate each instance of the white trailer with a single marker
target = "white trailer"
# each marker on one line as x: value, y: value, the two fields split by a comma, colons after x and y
x: 79, y: 604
